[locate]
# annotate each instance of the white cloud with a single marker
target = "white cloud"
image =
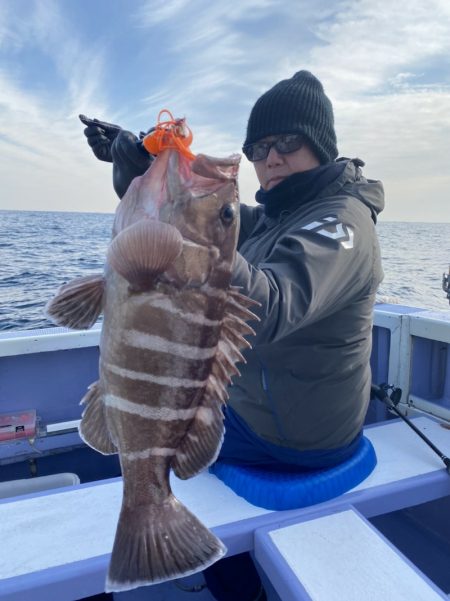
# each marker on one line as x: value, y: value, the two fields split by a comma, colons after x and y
x: 216, y: 55
x: 158, y: 11
x: 45, y: 160
x: 388, y: 109
x: 183, y: 14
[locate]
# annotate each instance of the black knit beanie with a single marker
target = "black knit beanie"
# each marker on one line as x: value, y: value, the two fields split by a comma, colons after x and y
x: 296, y: 106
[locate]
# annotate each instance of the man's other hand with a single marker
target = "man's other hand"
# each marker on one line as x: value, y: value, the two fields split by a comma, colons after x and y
x: 100, y: 136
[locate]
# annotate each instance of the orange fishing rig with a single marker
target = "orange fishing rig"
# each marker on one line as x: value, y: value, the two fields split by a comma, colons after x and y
x: 174, y: 134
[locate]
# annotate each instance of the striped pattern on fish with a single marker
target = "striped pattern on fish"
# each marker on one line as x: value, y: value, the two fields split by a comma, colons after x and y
x: 173, y: 330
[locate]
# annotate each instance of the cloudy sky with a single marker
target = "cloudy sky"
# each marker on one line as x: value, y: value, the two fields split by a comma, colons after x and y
x: 386, y: 67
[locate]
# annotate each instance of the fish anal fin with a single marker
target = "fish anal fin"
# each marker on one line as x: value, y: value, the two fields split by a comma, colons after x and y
x: 201, y: 444
x: 94, y: 427
x: 78, y: 303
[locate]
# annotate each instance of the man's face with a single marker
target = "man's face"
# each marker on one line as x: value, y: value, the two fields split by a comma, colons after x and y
x: 276, y: 166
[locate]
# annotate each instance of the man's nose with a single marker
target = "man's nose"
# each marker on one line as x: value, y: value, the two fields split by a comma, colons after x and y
x: 274, y: 157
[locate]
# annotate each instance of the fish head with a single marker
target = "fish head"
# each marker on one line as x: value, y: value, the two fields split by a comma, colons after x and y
x: 205, y: 210
x: 179, y: 221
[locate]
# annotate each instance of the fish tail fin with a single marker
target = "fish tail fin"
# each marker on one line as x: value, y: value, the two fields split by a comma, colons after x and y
x: 156, y: 543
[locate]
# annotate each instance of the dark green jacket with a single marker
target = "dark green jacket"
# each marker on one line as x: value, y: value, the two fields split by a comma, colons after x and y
x: 315, y: 271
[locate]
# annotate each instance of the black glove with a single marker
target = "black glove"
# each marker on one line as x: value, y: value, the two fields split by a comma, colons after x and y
x: 129, y: 158
x: 122, y: 148
x: 100, y: 136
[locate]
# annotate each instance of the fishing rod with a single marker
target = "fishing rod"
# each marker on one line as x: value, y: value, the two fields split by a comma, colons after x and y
x: 390, y: 396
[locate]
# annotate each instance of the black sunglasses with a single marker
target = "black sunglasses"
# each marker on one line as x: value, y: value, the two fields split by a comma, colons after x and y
x: 283, y: 144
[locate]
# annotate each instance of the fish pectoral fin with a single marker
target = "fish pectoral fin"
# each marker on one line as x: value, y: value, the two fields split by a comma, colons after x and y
x: 143, y: 250
x: 78, y: 303
x: 201, y: 444
x: 94, y: 426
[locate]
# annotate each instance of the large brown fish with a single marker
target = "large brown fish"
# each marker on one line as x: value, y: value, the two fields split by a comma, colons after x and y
x: 171, y: 335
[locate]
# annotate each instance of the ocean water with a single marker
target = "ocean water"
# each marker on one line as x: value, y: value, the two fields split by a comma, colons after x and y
x: 39, y: 251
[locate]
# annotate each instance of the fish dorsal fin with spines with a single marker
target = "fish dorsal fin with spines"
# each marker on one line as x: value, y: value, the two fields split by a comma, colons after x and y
x: 231, y: 340
x: 78, y: 303
x: 202, y: 442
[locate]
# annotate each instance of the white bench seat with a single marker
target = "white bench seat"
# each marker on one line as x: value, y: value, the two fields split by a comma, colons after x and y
x: 339, y: 556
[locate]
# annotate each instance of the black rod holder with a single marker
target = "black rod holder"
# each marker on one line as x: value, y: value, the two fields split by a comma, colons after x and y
x: 381, y: 392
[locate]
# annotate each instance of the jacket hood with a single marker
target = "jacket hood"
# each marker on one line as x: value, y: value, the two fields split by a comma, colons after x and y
x: 370, y: 192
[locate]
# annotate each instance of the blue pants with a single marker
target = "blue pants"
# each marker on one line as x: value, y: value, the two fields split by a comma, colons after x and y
x: 243, y: 446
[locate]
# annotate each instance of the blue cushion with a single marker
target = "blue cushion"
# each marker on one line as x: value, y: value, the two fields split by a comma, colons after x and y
x: 289, y: 490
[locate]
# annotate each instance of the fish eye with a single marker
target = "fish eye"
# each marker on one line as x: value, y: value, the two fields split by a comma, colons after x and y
x: 227, y: 214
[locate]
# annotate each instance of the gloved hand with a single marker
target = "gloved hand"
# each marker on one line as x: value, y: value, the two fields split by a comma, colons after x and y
x: 100, y: 136
x: 122, y: 148
x: 129, y: 159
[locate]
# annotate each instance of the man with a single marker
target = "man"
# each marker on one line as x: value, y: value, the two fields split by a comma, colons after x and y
x: 309, y: 254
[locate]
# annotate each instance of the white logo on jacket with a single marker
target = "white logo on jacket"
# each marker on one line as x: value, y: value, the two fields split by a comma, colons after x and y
x: 330, y: 227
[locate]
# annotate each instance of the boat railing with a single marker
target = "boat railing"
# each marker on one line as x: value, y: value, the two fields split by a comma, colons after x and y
x: 418, y: 357
x: 411, y: 350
